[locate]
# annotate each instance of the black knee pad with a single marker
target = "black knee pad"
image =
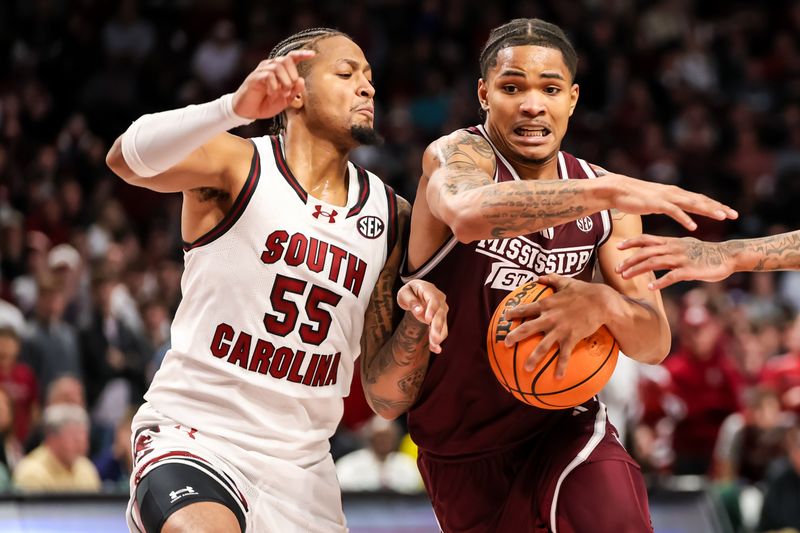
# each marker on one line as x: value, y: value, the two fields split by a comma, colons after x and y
x: 172, y: 486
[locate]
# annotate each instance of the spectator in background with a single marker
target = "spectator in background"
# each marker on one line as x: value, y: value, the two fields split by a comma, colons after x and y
x: 127, y: 35
x: 65, y: 265
x: 379, y: 466
x: 783, y: 373
x: 115, y: 463
x: 11, y: 452
x: 780, y: 510
x: 51, y: 345
x: 217, y: 59
x: 114, y: 357
x: 751, y: 440
x: 704, y: 378
x: 63, y: 390
x: 19, y: 383
x: 60, y: 463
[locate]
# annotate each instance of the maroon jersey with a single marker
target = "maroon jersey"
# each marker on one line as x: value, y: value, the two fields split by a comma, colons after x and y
x: 462, y: 409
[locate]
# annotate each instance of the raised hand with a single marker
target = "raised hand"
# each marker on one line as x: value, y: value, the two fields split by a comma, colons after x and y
x: 270, y: 88
x: 555, y: 317
x: 685, y: 258
x: 428, y: 305
x: 639, y: 197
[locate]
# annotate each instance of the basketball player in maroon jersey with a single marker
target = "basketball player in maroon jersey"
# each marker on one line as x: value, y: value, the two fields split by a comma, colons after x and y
x: 497, y: 205
x: 690, y: 259
x: 218, y: 442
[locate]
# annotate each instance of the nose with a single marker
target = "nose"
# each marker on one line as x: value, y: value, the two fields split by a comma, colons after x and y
x: 365, y: 88
x: 533, y: 104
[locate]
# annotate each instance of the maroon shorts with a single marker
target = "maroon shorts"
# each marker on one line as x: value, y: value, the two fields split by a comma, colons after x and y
x: 575, y: 478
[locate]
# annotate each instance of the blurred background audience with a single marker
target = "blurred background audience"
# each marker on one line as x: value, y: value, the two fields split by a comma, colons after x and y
x: 705, y: 95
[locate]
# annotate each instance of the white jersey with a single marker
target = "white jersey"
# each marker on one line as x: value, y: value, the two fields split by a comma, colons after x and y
x: 266, y: 336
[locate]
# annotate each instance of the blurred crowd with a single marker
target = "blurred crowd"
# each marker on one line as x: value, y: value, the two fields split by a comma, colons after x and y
x: 705, y: 95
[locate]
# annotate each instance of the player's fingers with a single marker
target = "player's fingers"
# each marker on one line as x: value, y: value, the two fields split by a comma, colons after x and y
x: 437, y: 332
x: 641, y: 241
x: 701, y: 204
x: 284, y: 80
x: 301, y: 55
x: 641, y: 255
x: 564, y: 355
x: 524, y: 311
x: 432, y: 297
x: 291, y: 68
x: 648, y: 261
x: 298, y: 87
x: 678, y: 214
x: 554, y: 280
x: 668, y: 279
x: 544, y: 348
x: 525, y: 330
x: 270, y: 81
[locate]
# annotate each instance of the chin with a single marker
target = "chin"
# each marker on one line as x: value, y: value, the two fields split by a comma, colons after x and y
x: 365, y: 135
x: 538, y: 156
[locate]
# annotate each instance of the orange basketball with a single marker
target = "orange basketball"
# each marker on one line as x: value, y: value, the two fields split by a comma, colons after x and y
x: 589, y: 369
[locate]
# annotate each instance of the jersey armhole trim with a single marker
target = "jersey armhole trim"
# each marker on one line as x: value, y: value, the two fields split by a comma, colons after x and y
x: 605, y: 215
x: 236, y: 209
x: 427, y: 266
x: 363, y: 195
x: 391, y: 220
x: 284, y: 169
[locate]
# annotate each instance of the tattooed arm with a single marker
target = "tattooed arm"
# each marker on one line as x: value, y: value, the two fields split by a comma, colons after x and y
x: 461, y: 192
x: 688, y: 258
x: 394, y: 360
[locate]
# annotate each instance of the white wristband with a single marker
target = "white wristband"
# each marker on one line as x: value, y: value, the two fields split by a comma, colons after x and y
x: 157, y: 142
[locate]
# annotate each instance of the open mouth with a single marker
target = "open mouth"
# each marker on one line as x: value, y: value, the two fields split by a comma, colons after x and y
x: 528, y: 131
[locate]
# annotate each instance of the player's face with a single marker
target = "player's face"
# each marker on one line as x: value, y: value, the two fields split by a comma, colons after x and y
x: 339, y: 92
x: 528, y: 97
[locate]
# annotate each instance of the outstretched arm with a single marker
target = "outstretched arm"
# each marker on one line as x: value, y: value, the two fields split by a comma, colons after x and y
x: 394, y: 356
x: 462, y: 194
x: 690, y: 259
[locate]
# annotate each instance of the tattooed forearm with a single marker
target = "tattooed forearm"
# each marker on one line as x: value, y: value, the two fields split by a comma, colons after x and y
x: 412, y: 382
x: 398, y: 367
x: 777, y: 252
x: 401, y: 350
x: 384, y: 405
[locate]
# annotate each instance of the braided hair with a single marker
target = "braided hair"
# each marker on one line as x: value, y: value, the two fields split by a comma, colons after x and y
x: 303, y: 40
x: 522, y: 32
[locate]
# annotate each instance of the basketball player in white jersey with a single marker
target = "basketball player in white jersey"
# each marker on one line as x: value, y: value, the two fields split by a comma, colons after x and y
x: 288, y: 247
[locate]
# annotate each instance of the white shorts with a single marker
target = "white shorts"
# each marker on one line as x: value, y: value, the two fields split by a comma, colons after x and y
x: 274, y: 495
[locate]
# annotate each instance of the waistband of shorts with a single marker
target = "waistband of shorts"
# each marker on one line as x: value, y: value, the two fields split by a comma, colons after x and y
x: 479, y: 455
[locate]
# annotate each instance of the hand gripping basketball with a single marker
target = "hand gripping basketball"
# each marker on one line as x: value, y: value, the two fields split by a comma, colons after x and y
x: 270, y: 88
x: 526, y: 333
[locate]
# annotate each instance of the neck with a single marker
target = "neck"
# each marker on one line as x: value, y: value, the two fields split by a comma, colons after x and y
x: 528, y: 169
x: 319, y: 164
x: 59, y: 458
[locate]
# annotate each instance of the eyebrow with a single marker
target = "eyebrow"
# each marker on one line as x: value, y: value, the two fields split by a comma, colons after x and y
x: 354, y: 64
x: 552, y: 75
x: 514, y: 73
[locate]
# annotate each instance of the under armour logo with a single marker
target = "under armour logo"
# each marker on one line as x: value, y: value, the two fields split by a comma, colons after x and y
x: 330, y: 214
x: 176, y: 495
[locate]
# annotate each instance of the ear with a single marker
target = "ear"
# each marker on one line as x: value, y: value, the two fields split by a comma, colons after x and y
x: 574, y: 92
x: 483, y: 95
x: 298, y: 101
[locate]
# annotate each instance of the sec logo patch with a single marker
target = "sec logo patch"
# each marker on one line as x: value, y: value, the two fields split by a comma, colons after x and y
x: 370, y: 227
